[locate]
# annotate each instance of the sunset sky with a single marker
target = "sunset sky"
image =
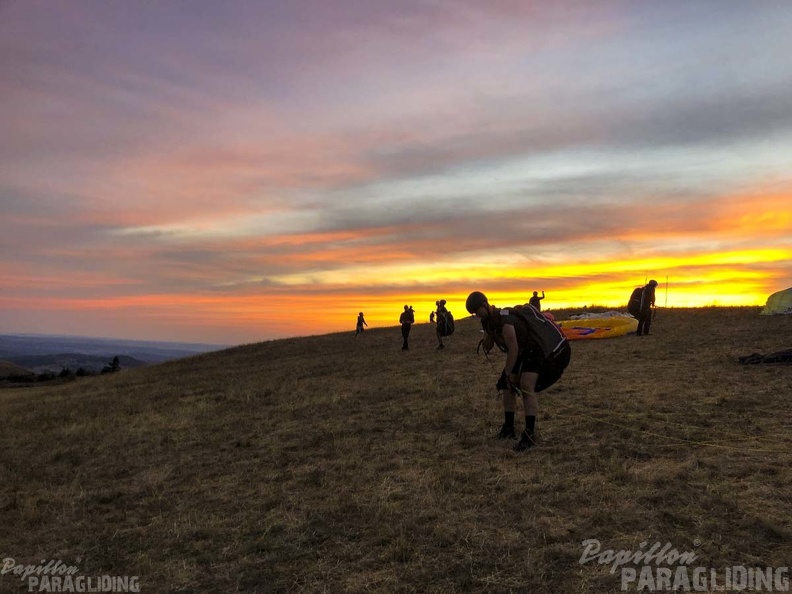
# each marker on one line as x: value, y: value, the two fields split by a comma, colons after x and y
x: 238, y: 170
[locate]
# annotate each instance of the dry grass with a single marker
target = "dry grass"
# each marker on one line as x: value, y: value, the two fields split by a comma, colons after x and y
x: 333, y: 464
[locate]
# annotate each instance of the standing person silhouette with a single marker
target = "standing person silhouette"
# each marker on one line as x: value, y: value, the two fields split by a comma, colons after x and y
x: 536, y: 301
x: 441, y: 323
x: 360, y: 323
x: 407, y: 319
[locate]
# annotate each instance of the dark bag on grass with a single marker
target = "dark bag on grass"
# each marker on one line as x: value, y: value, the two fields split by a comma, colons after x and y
x: 783, y: 357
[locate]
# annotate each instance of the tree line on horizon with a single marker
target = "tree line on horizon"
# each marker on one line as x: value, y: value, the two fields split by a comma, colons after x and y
x: 113, y: 366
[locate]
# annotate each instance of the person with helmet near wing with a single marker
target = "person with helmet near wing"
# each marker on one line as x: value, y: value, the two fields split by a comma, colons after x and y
x: 537, y: 353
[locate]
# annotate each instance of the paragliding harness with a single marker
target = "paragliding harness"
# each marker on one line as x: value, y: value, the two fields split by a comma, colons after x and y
x: 635, y: 302
x: 547, y: 338
x: 445, y: 323
x: 546, y: 333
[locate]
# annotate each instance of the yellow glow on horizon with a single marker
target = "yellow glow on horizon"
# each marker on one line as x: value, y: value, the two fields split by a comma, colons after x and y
x: 732, y: 278
x: 507, y: 267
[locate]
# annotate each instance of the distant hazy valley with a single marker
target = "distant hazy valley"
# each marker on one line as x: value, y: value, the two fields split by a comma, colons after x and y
x: 41, y: 353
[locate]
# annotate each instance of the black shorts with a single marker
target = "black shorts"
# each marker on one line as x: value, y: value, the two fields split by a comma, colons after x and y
x: 549, y: 369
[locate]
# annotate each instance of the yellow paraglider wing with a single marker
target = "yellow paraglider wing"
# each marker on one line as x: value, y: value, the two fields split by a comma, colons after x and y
x: 598, y: 327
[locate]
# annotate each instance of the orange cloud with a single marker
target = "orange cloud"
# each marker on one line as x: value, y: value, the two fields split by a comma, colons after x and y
x: 728, y: 250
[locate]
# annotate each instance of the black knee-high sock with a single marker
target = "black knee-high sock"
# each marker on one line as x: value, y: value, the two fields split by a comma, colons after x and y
x: 530, y: 424
x: 509, y: 419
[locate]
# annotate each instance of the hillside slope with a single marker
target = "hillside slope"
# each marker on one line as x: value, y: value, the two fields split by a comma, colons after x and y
x: 335, y: 464
x: 8, y: 369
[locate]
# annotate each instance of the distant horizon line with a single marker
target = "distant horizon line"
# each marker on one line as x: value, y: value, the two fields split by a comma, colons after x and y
x: 111, y: 338
x: 218, y: 346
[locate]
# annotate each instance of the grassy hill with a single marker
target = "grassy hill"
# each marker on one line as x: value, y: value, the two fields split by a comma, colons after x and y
x: 8, y: 369
x: 334, y: 464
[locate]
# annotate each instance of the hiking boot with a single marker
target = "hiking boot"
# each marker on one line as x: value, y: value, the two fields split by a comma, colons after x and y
x: 526, y: 442
x: 506, y: 433
x: 440, y: 346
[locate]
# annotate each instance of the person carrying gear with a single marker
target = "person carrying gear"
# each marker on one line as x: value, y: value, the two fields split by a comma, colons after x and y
x: 445, y: 323
x: 537, y: 353
x: 640, y: 306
